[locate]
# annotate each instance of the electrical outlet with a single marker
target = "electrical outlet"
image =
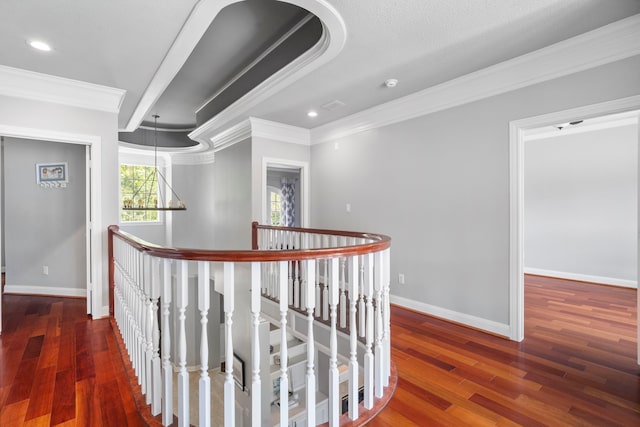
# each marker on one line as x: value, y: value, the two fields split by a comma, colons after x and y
x: 401, y: 279
x: 45, y: 270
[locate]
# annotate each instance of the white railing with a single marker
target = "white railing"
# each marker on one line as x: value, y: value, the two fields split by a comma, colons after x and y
x: 302, y: 304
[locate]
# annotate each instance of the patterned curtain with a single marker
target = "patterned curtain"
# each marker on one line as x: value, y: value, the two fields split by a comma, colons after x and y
x: 288, y: 217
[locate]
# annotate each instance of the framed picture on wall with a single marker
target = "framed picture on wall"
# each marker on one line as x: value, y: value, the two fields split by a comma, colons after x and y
x: 52, y: 174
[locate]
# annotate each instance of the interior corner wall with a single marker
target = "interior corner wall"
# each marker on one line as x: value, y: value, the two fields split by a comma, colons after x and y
x: 580, y: 206
x: 194, y: 228
x: 232, y: 197
x: 44, y: 226
x: 439, y: 186
x: 50, y: 117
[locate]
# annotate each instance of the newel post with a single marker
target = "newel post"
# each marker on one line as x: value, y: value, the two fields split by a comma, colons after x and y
x: 112, y: 229
x: 254, y: 235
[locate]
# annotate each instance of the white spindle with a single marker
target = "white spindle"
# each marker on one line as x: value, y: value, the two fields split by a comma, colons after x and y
x: 325, y: 292
x: 229, y: 390
x: 167, y: 371
x: 204, y: 383
x: 343, y: 295
x: 379, y: 353
x: 317, y: 243
x: 182, y: 300
x: 284, y: 377
x: 311, y: 376
x: 353, y: 335
x: 156, y: 385
x: 148, y: 328
x: 334, y: 380
x: 362, y: 320
x: 256, y: 392
x: 368, y: 356
x: 387, y: 316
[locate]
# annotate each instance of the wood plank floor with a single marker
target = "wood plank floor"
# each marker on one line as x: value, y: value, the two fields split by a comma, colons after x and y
x: 60, y: 368
x: 576, y: 366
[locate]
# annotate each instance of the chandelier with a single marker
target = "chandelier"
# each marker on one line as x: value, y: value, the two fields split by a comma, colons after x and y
x: 147, y: 202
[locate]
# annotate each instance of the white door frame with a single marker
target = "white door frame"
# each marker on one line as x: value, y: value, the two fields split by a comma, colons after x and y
x: 93, y: 209
x: 516, y: 196
x: 268, y: 162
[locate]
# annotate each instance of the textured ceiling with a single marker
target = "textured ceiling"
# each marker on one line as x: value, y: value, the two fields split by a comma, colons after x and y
x: 121, y: 43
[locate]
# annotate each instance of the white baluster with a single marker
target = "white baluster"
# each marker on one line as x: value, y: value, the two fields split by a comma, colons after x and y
x: 229, y: 390
x: 256, y: 392
x: 148, y: 330
x: 311, y: 376
x: 156, y: 385
x: 353, y: 335
x: 362, y: 320
x: 182, y: 300
x: 317, y: 244
x: 167, y: 371
x: 387, y: 316
x: 368, y: 356
x: 343, y: 295
x: 334, y: 380
x: 325, y: 292
x: 204, y: 383
x: 379, y: 354
x: 284, y: 377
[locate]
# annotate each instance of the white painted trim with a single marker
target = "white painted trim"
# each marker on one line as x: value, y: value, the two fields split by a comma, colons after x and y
x: 280, y: 131
x: 203, y: 158
x: 232, y: 135
x: 304, y: 184
x: 20, y: 83
x: 58, y: 291
x: 574, y: 130
x: 604, y: 45
x: 95, y: 227
x: 454, y: 316
x: 203, y: 14
x: 516, y: 191
x: 582, y: 277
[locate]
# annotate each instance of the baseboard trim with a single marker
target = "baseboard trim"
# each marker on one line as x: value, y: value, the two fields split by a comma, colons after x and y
x: 582, y: 277
x: 454, y: 316
x: 54, y: 291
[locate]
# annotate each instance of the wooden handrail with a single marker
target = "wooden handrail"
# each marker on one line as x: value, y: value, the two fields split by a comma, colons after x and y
x: 381, y: 242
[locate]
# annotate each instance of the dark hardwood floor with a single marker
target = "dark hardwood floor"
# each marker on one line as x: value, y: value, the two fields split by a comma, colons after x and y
x: 576, y: 367
x: 59, y: 368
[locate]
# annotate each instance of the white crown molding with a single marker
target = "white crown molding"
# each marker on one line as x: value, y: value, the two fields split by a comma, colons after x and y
x: 203, y: 158
x: 280, y: 132
x: 604, y: 45
x: 19, y: 83
x: 231, y: 136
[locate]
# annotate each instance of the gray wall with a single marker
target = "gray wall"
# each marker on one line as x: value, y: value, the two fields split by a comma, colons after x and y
x: 580, y: 213
x: 44, y: 226
x: 50, y: 118
x: 232, y: 197
x: 194, y: 228
x: 439, y: 186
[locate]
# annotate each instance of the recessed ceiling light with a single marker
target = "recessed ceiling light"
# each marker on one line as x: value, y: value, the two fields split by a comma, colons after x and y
x: 312, y: 113
x: 40, y: 45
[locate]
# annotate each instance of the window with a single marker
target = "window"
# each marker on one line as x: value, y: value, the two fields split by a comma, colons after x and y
x: 275, y: 206
x: 138, y: 184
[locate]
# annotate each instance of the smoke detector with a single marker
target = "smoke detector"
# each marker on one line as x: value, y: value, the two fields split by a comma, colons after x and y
x: 391, y: 83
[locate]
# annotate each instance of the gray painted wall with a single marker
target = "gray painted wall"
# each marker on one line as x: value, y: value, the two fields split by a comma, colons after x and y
x: 44, y: 226
x: 194, y: 184
x: 439, y: 186
x: 581, y: 196
x: 47, y: 117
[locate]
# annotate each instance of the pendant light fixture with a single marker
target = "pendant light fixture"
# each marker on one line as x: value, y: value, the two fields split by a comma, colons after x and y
x: 148, y: 203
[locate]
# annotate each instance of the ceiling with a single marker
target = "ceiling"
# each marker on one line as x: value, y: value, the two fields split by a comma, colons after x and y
x: 122, y: 44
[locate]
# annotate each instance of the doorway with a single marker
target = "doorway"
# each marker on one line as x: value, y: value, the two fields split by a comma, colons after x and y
x: 92, y: 213
x: 518, y: 130
x: 285, y: 192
